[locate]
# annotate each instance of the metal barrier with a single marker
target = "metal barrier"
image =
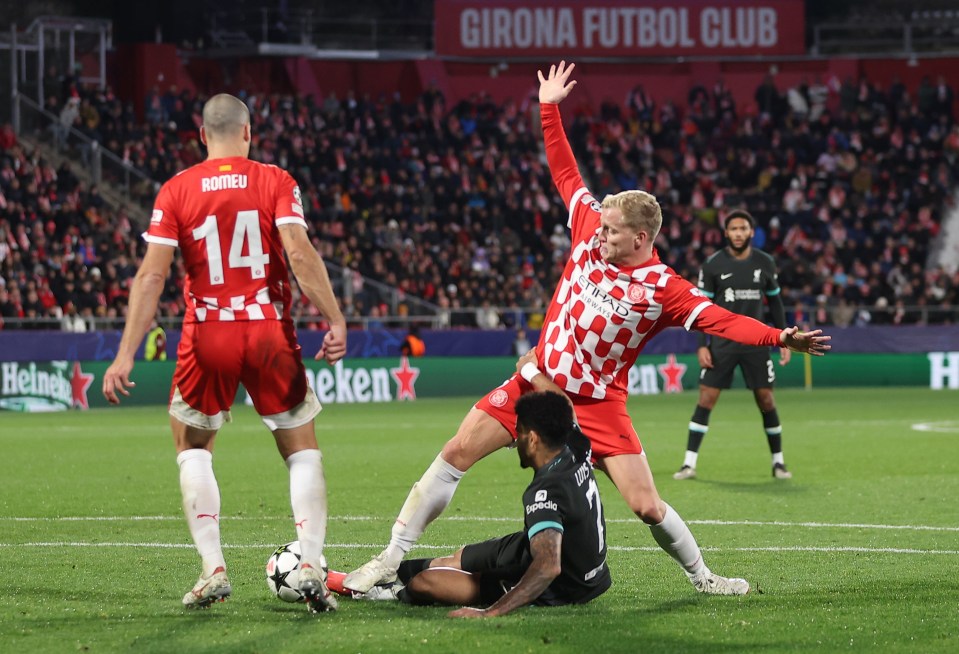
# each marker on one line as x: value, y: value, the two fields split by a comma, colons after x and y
x: 509, y: 318
x: 34, y: 122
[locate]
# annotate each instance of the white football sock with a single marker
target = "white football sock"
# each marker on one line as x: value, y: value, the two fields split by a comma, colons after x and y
x: 428, y: 498
x: 201, y: 506
x: 674, y: 537
x: 690, y: 459
x: 308, y: 500
x: 778, y: 458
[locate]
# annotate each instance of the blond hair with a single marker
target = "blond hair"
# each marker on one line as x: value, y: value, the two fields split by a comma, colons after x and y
x: 225, y: 115
x: 640, y: 210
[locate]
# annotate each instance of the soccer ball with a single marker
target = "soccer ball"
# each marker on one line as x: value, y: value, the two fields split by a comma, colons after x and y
x: 283, y: 572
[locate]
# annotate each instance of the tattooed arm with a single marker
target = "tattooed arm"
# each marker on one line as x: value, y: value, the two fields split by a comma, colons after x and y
x: 545, y: 548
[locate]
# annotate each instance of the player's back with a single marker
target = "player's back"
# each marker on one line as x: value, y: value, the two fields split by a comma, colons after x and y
x: 224, y: 214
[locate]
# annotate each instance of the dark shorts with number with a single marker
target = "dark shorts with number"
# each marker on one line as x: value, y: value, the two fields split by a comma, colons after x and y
x: 756, y: 365
x: 501, y: 563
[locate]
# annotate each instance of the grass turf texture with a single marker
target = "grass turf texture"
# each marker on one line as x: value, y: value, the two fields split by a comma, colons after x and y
x: 95, y: 554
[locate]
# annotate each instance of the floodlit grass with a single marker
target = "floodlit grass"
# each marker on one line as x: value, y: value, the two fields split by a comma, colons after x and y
x: 860, y: 551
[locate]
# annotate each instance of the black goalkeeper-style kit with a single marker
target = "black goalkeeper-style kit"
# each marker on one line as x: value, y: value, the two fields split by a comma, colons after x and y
x: 744, y: 287
x: 562, y: 496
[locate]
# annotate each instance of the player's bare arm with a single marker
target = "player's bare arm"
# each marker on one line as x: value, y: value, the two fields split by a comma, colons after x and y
x: 144, y: 298
x: 528, y: 369
x: 705, y: 357
x: 554, y: 88
x: 545, y: 547
x: 814, y: 342
x: 314, y: 281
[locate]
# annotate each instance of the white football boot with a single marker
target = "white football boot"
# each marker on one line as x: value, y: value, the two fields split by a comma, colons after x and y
x: 713, y: 584
x: 372, y: 573
x: 215, y: 588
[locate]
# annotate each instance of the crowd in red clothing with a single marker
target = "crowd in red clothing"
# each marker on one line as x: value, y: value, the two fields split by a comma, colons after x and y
x: 454, y: 204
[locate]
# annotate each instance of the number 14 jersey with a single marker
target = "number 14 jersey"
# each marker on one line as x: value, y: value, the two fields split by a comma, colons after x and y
x: 223, y: 214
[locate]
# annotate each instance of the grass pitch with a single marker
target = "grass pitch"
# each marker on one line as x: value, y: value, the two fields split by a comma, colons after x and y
x: 860, y: 551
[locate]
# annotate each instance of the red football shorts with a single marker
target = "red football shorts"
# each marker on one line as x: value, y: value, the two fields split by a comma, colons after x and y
x: 604, y: 422
x: 214, y: 357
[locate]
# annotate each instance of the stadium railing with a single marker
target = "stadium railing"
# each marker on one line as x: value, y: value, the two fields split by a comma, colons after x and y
x: 41, y: 126
x: 509, y: 318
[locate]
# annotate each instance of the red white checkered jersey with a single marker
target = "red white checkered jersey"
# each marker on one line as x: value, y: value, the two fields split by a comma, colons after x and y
x: 601, y: 314
x: 223, y: 214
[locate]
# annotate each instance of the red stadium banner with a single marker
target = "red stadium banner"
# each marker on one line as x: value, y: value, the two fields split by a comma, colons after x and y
x: 618, y: 28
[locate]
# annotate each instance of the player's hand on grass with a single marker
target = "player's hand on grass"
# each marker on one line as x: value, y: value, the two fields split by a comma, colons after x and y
x: 554, y: 88
x: 705, y: 357
x: 117, y: 380
x: 334, y: 344
x: 469, y: 612
x: 812, y: 342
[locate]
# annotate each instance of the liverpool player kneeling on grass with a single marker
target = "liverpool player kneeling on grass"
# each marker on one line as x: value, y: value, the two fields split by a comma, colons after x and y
x: 558, y: 558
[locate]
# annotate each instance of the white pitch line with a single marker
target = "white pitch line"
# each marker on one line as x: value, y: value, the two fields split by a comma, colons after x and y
x: 450, y: 548
x: 366, y: 518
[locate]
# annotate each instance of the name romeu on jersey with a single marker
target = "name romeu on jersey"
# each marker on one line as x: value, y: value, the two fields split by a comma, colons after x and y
x: 224, y: 216
x: 602, y: 315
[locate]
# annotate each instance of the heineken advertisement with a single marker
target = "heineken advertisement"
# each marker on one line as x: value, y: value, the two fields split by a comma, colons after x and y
x: 62, y: 385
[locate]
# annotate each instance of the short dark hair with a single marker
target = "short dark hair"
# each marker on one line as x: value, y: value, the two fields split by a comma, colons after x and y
x: 548, y: 414
x: 740, y: 213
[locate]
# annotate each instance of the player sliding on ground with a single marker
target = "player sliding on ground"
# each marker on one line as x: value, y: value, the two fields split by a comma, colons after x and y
x: 560, y: 555
x: 237, y: 328
x: 614, y: 296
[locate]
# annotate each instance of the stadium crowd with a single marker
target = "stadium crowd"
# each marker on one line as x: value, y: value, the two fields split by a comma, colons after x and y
x: 454, y: 204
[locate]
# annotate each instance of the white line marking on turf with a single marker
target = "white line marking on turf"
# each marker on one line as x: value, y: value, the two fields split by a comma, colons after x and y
x: 367, y: 518
x: 450, y: 548
x: 942, y: 427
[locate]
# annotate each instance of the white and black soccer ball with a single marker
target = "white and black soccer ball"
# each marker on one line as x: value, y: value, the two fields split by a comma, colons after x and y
x: 283, y: 572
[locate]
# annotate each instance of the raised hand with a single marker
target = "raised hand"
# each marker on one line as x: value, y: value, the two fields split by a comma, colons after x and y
x: 554, y: 88
x: 812, y: 342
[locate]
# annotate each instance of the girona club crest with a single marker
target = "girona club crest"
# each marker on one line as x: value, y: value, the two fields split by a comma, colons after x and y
x: 498, y: 398
x: 636, y: 293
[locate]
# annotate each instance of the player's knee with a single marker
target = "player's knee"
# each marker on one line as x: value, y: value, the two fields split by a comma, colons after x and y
x: 647, y: 509
x: 458, y: 452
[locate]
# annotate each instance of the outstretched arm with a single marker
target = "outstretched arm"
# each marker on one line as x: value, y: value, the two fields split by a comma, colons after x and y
x: 553, y: 89
x: 748, y: 331
x: 545, y: 548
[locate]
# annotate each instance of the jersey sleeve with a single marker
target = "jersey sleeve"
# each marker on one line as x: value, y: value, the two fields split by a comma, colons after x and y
x: 289, y: 202
x: 772, y: 279
x: 707, y: 280
x: 543, y: 510
x: 683, y: 302
x: 164, y: 221
x: 583, y: 207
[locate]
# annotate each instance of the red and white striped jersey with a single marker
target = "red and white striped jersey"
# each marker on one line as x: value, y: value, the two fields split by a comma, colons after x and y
x: 602, y: 315
x: 223, y: 214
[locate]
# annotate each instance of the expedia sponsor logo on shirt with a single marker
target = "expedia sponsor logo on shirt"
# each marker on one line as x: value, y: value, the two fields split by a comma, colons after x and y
x: 536, y: 506
x: 600, y: 300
